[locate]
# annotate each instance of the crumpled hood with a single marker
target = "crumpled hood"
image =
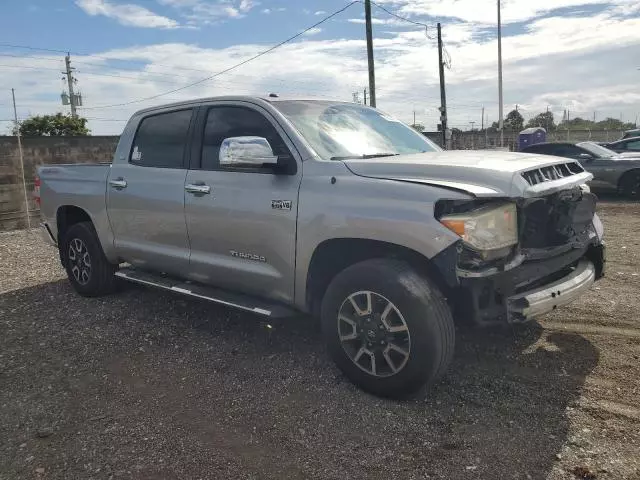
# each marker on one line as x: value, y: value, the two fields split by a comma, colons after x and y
x: 483, y: 173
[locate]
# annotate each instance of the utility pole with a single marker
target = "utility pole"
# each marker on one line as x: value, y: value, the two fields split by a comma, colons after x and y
x: 594, y: 117
x: 482, y: 128
x: 365, y: 95
x: 24, y: 182
x: 547, y: 119
x: 486, y: 134
x: 443, y: 96
x: 414, y: 117
x: 473, y: 136
x: 69, y: 74
x: 501, y: 106
x: 372, y: 75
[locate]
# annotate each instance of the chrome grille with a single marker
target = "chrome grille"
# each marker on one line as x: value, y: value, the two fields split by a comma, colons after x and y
x: 552, y: 172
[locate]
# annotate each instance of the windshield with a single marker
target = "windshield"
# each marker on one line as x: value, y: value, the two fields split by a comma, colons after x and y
x: 597, y: 150
x: 338, y: 131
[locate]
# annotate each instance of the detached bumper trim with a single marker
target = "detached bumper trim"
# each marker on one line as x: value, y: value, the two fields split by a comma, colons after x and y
x: 46, y: 235
x: 534, y: 303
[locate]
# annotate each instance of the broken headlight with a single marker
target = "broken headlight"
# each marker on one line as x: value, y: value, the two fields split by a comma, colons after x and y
x: 490, y: 227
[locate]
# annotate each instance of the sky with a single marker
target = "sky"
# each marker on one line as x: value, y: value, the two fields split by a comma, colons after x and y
x: 577, y: 55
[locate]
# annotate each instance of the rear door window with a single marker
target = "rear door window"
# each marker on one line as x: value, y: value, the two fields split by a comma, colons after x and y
x: 161, y: 140
x: 635, y: 146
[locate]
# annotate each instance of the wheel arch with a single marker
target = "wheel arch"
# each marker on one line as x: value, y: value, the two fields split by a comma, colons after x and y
x: 66, y: 216
x: 332, y: 256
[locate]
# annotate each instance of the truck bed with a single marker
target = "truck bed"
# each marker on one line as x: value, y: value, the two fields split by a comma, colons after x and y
x: 73, y: 184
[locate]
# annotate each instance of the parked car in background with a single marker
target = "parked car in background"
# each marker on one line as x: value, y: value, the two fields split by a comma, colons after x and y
x: 631, y: 133
x: 631, y: 144
x: 611, y: 171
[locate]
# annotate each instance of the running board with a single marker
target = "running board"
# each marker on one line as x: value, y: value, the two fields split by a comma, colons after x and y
x: 204, y: 292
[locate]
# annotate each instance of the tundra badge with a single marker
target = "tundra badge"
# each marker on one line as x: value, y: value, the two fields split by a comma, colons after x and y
x: 247, y: 256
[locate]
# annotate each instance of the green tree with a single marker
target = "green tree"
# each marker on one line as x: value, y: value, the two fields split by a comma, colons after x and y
x: 54, y: 125
x: 613, y: 124
x: 514, y: 121
x: 544, y: 120
x: 418, y: 127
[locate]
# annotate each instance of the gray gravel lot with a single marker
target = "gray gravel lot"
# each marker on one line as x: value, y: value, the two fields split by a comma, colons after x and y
x: 145, y: 384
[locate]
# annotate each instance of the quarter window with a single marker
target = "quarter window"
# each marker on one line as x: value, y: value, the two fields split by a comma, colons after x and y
x: 161, y: 140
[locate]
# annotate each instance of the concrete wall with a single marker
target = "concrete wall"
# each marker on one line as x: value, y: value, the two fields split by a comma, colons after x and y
x: 38, y: 151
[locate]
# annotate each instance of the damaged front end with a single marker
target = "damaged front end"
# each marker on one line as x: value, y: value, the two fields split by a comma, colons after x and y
x: 544, y: 257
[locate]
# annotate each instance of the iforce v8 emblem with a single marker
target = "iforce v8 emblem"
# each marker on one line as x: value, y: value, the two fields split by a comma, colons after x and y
x: 281, y: 204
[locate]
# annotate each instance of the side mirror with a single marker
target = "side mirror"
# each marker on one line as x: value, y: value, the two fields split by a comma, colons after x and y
x: 587, y: 157
x: 246, y: 152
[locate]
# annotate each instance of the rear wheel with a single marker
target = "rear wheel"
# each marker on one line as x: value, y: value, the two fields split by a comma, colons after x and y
x: 630, y: 184
x: 387, y: 328
x: 89, y: 271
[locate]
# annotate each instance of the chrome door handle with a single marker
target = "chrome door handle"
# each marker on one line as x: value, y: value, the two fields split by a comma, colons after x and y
x: 118, y: 183
x: 197, y: 188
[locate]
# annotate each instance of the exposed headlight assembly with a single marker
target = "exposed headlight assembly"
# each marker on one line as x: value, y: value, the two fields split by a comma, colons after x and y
x: 491, y: 227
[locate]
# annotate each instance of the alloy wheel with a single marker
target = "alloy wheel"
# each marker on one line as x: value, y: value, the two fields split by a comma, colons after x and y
x: 374, y: 334
x: 80, y: 261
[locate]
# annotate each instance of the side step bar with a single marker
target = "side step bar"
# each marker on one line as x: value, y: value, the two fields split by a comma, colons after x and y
x: 204, y: 292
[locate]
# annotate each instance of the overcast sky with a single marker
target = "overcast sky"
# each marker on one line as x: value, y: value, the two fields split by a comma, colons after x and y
x: 580, y: 55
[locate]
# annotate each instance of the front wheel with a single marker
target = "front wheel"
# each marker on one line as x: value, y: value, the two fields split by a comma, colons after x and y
x: 89, y: 271
x: 387, y: 328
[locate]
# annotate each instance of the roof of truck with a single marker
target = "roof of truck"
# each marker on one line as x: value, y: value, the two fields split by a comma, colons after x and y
x: 250, y: 98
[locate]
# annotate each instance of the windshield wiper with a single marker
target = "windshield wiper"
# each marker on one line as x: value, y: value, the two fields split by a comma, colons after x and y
x: 371, y: 155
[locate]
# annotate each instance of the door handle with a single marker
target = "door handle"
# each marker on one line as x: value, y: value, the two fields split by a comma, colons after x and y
x: 197, y: 188
x: 118, y: 183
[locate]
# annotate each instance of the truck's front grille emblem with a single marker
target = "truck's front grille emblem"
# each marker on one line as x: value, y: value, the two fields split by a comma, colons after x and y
x: 552, y: 172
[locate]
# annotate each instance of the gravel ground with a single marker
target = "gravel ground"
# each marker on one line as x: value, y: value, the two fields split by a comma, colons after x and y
x: 147, y: 385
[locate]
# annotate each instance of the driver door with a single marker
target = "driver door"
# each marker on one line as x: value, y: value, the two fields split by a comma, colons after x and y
x: 241, y: 221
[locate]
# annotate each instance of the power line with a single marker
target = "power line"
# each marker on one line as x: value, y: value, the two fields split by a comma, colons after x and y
x: 404, y: 18
x: 143, y: 79
x: 233, y: 67
x: 149, y: 73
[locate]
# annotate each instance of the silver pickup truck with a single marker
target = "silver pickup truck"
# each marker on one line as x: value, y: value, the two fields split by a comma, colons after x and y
x: 335, y: 209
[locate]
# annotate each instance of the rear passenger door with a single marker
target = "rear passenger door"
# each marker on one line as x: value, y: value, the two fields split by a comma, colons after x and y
x: 243, y: 229
x: 145, y: 194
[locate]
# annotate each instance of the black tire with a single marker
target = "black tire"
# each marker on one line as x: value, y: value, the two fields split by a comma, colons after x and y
x: 425, y: 313
x: 630, y: 184
x: 100, y: 278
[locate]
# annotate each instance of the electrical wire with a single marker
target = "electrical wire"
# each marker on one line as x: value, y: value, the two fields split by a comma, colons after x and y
x: 143, y: 78
x: 260, y: 54
x: 426, y: 26
x: 233, y: 67
x: 163, y: 74
x: 399, y: 17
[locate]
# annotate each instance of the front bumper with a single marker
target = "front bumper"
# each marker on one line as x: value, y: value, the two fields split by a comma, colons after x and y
x: 530, y: 289
x: 539, y: 301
